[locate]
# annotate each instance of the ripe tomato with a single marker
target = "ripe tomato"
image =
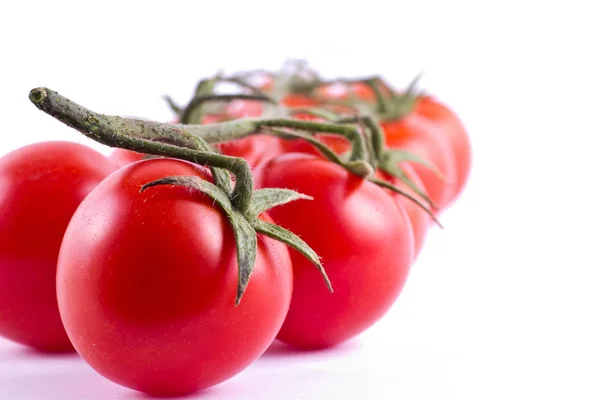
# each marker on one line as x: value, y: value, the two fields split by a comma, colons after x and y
x: 41, y: 186
x: 147, y: 284
x: 453, y: 132
x: 363, y: 236
x: 415, y: 134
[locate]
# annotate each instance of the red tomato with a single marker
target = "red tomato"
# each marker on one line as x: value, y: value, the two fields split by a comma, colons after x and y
x: 364, y: 239
x: 415, y: 134
x: 147, y: 284
x: 41, y: 186
x: 454, y: 132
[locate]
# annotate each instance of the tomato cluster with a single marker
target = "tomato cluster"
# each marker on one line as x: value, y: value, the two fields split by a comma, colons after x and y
x: 167, y: 277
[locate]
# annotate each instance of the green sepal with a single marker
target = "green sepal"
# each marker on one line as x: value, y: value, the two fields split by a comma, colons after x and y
x: 244, y: 233
x: 404, y: 104
x: 221, y: 176
x: 265, y: 199
x: 173, y: 106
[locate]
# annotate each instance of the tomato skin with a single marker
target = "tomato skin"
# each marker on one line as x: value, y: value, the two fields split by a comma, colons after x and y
x: 41, y: 186
x: 147, y: 284
x: 363, y: 237
x: 298, y: 100
x: 338, y: 144
x: 454, y: 133
x: 122, y: 157
x: 255, y: 149
x: 419, y: 219
x: 417, y: 135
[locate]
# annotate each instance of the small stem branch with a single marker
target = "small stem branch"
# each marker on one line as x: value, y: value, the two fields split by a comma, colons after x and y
x: 377, y: 137
x: 145, y: 137
x: 358, y: 152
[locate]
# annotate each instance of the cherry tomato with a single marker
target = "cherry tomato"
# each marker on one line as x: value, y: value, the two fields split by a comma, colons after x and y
x: 147, y: 284
x: 415, y: 134
x: 41, y: 186
x: 453, y: 132
x: 363, y: 236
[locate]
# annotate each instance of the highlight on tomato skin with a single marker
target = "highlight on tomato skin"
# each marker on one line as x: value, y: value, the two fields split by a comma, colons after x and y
x: 147, y: 284
x: 351, y: 223
x: 41, y: 186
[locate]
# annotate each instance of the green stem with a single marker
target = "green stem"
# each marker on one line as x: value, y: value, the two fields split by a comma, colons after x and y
x: 373, y: 84
x: 144, y: 137
x: 237, y: 129
x: 377, y: 136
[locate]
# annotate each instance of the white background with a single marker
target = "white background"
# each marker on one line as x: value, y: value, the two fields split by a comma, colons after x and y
x: 502, y: 304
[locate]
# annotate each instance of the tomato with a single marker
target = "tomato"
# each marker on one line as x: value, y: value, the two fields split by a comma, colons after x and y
x: 41, y: 186
x: 363, y: 236
x: 147, y: 284
x: 454, y: 132
x: 415, y: 134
